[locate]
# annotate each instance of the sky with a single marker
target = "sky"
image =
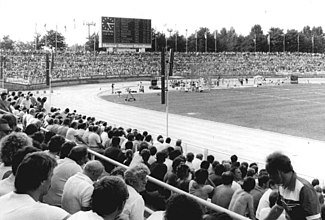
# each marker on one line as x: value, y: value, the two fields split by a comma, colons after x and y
x: 21, y: 18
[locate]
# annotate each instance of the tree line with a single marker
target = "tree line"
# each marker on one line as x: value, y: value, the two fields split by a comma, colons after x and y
x: 309, y: 40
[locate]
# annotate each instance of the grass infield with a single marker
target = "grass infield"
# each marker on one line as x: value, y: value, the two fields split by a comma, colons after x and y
x: 297, y: 110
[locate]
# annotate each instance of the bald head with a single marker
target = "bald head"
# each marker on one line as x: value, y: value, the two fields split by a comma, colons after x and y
x: 93, y: 169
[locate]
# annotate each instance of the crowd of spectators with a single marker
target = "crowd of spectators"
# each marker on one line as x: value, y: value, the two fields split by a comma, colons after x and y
x: 46, y: 173
x: 30, y: 66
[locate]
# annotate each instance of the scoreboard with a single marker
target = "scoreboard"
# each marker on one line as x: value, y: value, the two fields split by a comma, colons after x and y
x: 125, y: 32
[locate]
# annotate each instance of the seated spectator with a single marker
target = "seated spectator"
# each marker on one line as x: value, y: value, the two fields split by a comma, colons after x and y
x: 259, y: 190
x: 222, y: 194
x: 78, y: 189
x: 9, y: 146
x: 215, y: 177
x: 55, y: 146
x: 272, y: 200
x: 198, y: 187
x: 33, y: 178
x: 4, y: 128
x: 103, y: 206
x: 8, y: 184
x: 264, y: 200
x: 136, y: 180
x: 68, y: 167
x: 179, y: 207
x: 183, y: 177
x: 241, y: 201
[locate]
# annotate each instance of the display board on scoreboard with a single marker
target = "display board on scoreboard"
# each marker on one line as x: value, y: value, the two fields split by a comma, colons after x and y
x: 125, y: 32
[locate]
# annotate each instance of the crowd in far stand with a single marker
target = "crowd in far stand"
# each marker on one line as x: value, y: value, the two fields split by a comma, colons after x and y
x: 30, y: 66
x: 47, y: 174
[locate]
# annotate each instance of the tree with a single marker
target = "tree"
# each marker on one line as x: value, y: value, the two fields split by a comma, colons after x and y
x: 25, y: 45
x: 291, y: 41
x: 256, y: 36
x: 276, y: 39
x: 94, y: 39
x: 6, y: 43
x: 53, y: 38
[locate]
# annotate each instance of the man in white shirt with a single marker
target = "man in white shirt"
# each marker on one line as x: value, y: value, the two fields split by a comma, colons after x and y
x: 103, y: 206
x: 78, y: 189
x: 32, y: 181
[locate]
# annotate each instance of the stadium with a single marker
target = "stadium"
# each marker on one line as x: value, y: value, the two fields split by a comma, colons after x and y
x: 217, y: 103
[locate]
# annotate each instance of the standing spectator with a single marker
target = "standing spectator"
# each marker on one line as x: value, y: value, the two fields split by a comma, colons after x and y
x: 297, y: 196
x: 33, y: 179
x: 78, y: 189
x: 136, y: 180
x: 103, y: 206
x: 241, y: 201
x: 178, y: 146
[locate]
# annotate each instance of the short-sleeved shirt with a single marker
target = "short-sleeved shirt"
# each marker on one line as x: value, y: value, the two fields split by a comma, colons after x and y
x: 7, y: 185
x: 21, y: 206
x: 89, y: 215
x: 299, y: 199
x: 77, y: 193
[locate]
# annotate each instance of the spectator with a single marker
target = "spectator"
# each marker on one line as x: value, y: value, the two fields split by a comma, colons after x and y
x: 55, y: 146
x: 4, y: 104
x: 67, y: 168
x: 259, y: 190
x: 8, y: 184
x: 216, y: 177
x: 9, y: 146
x: 179, y: 207
x: 33, y: 179
x: 136, y: 180
x: 223, y: 193
x: 103, y: 206
x: 264, y: 200
x: 198, y: 187
x: 4, y: 128
x: 78, y: 189
x: 303, y: 197
x: 272, y: 201
x: 241, y: 201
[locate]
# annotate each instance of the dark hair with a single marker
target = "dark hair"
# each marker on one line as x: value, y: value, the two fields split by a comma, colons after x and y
x: 39, y: 136
x: 278, y: 162
x: 182, y: 171
x: 11, y: 119
x: 145, y: 154
x: 33, y: 170
x: 263, y: 179
x: 48, y: 136
x: 201, y: 176
x: 205, y: 164
x: 248, y: 184
x: 161, y: 157
x: 182, y: 207
x: 189, y: 157
x: 104, y: 190
x: 78, y: 153
x: 31, y: 129
x: 227, y: 178
x: 115, y: 141
x: 315, y: 182
x: 168, y: 140
x: 174, y: 154
x: 19, y: 156
x: 66, y: 148
x: 129, y: 145
x: 233, y: 158
x: 219, y: 169
x: 273, y: 197
x: 148, y: 138
x: 176, y: 162
x: 153, y: 150
x: 56, y: 143
x: 210, y: 159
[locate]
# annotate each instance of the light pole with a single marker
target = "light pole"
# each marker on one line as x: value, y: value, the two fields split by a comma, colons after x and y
x: 215, y: 41
x: 312, y: 43
x: 89, y: 24
x: 176, y: 41
x: 284, y: 43
x: 170, y: 33
x: 298, y: 42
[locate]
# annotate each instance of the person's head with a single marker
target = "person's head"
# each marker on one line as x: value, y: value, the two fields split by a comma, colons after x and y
x: 315, y: 182
x: 136, y: 176
x: 145, y: 154
x: 248, y: 184
x: 233, y: 158
x: 148, y: 138
x: 161, y: 157
x: 12, y: 121
x: 118, y: 171
x: 227, y: 178
x: 4, y: 96
x: 153, y: 150
x: 79, y: 154
x: 174, y: 154
x: 178, y: 142
x: 11, y: 144
x: 219, y: 169
x: 55, y: 144
x: 263, y: 181
x: 182, y: 207
x: 66, y: 148
x: 4, y: 128
x: 116, y: 142
x: 205, y: 164
x: 19, y: 156
x: 93, y: 169
x: 210, y: 158
x: 237, y: 173
x: 129, y: 145
x: 199, y: 156
x: 39, y: 137
x: 201, y: 176
x: 189, y: 157
x: 31, y: 129
x: 143, y: 145
x: 279, y: 168
x: 105, y: 189
x: 48, y: 136
x: 34, y: 173
x: 168, y: 140
x: 176, y: 162
x: 182, y: 171
x: 250, y: 172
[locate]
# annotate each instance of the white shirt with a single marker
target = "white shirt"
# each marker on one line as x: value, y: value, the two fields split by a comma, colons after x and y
x: 61, y: 174
x: 263, y: 203
x: 71, y: 134
x: 21, y: 206
x: 77, y: 193
x: 134, y: 206
x: 104, y: 136
x: 3, y: 169
x: 265, y: 212
x: 89, y: 215
x: 158, y: 215
x: 93, y: 139
x: 7, y: 185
